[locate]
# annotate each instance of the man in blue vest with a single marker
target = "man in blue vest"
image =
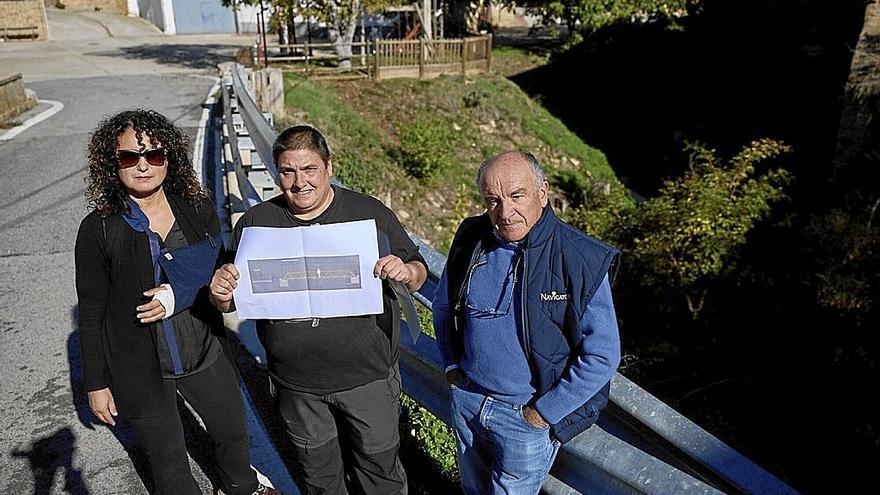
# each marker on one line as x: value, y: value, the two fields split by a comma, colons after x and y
x: 527, y: 330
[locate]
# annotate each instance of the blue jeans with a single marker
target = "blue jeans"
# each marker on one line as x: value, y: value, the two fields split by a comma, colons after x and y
x: 498, y: 451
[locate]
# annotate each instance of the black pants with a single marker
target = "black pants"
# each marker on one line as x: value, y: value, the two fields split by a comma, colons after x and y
x: 215, y: 396
x: 369, y: 417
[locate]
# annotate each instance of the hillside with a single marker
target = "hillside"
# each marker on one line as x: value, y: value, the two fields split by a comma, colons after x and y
x: 417, y: 144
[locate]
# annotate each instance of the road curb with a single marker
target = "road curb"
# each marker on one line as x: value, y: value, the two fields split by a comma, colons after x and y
x: 56, y: 107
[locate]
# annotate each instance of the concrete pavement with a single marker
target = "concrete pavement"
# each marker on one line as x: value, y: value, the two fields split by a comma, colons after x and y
x: 90, y: 44
x: 95, y: 65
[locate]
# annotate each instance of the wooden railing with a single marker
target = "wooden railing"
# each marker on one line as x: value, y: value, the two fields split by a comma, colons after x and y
x: 384, y: 59
x: 19, y: 32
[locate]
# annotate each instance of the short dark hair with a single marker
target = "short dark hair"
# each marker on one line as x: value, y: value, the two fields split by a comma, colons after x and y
x: 301, y: 137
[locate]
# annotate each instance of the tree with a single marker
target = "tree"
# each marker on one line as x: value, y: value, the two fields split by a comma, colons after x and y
x: 584, y: 16
x: 341, y: 17
x: 687, y: 237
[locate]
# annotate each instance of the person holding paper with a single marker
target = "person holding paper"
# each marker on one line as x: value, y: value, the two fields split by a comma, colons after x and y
x: 324, y: 370
x: 147, y: 330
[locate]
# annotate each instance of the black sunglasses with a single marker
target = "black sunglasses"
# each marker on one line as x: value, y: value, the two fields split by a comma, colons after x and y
x: 128, y: 158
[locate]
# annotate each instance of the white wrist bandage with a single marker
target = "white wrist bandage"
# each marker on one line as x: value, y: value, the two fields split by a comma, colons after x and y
x: 166, y: 299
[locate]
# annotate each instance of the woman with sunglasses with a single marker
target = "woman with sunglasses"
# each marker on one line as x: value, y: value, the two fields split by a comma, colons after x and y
x: 147, y: 330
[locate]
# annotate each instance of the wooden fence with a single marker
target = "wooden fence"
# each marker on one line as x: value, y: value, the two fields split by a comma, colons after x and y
x: 385, y: 59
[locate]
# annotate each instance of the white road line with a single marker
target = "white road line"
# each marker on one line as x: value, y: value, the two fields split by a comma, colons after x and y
x: 57, y: 106
x: 199, y: 147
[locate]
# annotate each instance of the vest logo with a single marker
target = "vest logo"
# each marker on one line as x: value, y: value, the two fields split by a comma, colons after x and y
x: 553, y: 296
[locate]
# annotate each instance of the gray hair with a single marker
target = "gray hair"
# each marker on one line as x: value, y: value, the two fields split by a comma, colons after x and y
x: 528, y: 157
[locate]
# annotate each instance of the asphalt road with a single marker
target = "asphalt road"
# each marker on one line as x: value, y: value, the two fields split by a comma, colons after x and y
x: 96, y: 65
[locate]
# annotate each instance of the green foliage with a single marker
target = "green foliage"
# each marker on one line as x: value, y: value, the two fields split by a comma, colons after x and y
x: 426, y: 320
x: 425, y: 144
x: 340, y: 16
x: 585, y: 16
x: 473, y: 99
x: 847, y: 240
x: 359, y: 150
x: 353, y: 171
x: 321, y: 9
x: 465, y: 197
x: 434, y: 437
x: 688, y: 236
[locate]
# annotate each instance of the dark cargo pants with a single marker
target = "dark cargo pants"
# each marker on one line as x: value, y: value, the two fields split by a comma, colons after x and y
x: 369, y: 415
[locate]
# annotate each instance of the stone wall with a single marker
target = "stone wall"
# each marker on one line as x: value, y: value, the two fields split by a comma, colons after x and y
x: 13, y: 98
x: 24, y: 13
x: 113, y: 6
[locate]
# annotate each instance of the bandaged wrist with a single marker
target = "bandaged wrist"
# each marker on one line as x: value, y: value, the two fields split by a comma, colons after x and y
x: 166, y: 299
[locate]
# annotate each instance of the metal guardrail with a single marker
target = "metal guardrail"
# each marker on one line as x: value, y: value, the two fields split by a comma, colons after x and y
x: 640, y: 445
x: 249, y: 195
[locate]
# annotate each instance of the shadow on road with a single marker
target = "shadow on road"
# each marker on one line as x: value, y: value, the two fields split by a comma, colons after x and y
x: 256, y: 380
x: 49, y: 455
x: 185, y: 56
x: 199, y: 444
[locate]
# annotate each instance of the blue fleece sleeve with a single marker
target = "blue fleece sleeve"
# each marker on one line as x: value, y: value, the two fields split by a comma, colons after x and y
x: 597, y: 361
x: 440, y: 307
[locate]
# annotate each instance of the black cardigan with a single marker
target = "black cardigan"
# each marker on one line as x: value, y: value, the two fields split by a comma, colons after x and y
x: 113, y: 269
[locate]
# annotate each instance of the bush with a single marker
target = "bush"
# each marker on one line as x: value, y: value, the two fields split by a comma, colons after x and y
x: 474, y: 99
x: 682, y: 240
x: 846, y: 241
x: 425, y: 147
x: 351, y: 170
x: 434, y: 437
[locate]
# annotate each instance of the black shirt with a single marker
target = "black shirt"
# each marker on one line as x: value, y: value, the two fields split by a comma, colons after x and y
x: 113, y: 269
x: 198, y: 347
x: 332, y: 354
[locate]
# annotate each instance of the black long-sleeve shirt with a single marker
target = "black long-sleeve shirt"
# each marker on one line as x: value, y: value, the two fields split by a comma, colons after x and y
x: 113, y: 270
x: 332, y: 354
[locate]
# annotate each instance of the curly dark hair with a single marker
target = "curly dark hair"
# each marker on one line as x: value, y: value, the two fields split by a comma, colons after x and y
x: 105, y: 192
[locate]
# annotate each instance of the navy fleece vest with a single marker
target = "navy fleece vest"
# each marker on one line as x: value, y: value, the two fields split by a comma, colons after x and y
x: 563, y: 268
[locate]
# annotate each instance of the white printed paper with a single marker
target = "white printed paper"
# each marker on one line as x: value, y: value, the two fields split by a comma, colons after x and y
x: 320, y: 271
